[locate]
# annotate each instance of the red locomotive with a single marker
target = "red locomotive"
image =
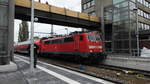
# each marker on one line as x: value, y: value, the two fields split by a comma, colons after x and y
x: 77, y: 45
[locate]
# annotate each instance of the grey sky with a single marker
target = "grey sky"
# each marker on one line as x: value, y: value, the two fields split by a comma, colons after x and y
x: 69, y: 4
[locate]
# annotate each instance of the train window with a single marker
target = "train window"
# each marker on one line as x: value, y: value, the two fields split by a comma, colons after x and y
x: 91, y: 37
x: 81, y: 38
x: 53, y: 41
x: 57, y: 41
x: 46, y: 42
x: 61, y: 40
x: 68, y: 39
x: 98, y: 38
x: 94, y: 38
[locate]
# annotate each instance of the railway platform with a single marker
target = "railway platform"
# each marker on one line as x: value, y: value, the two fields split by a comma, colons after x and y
x: 45, y: 74
x: 133, y: 62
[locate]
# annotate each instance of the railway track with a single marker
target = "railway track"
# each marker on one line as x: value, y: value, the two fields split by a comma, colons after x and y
x: 114, y: 74
x: 127, y: 70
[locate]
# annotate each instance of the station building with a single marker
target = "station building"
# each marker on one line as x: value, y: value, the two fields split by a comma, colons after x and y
x: 122, y: 21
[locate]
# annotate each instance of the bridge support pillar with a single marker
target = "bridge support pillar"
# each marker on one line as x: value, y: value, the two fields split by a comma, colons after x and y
x: 6, y: 33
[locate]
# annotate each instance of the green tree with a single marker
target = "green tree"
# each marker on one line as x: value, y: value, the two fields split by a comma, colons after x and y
x: 23, y: 31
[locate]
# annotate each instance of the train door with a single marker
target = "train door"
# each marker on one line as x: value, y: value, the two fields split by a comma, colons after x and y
x: 45, y: 46
x: 41, y: 45
x: 76, y: 43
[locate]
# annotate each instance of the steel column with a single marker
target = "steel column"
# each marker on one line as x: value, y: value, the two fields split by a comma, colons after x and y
x: 31, y: 38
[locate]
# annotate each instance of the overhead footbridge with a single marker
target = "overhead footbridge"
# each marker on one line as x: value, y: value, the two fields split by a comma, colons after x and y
x: 55, y: 15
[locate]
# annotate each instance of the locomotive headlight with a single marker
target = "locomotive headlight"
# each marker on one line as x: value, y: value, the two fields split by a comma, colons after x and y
x: 91, y: 47
x: 91, y: 51
x: 100, y: 47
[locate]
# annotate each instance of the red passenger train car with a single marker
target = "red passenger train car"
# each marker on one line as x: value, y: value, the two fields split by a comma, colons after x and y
x: 22, y: 47
x: 77, y: 45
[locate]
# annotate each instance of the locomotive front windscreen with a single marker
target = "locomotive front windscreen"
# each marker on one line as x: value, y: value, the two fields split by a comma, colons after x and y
x: 94, y: 38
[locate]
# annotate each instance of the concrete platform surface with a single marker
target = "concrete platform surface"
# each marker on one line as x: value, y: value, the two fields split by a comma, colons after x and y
x: 139, y: 63
x: 8, y: 68
x: 45, y: 74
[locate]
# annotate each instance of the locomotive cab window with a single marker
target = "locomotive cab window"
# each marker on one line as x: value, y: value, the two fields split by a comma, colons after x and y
x: 91, y: 38
x: 98, y: 38
x: 94, y: 38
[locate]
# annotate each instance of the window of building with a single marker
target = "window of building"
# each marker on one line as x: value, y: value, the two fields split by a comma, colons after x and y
x: 146, y: 4
x: 88, y: 4
x: 145, y: 26
x: 139, y: 11
x: 117, y: 1
x: 141, y: 1
x: 92, y: 13
x: 139, y: 26
x: 92, y: 2
x: 147, y: 16
x: 1, y: 1
x: 133, y: 0
x: 142, y: 13
x: 148, y: 27
x: 142, y: 26
x: 132, y: 5
x: 84, y: 6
